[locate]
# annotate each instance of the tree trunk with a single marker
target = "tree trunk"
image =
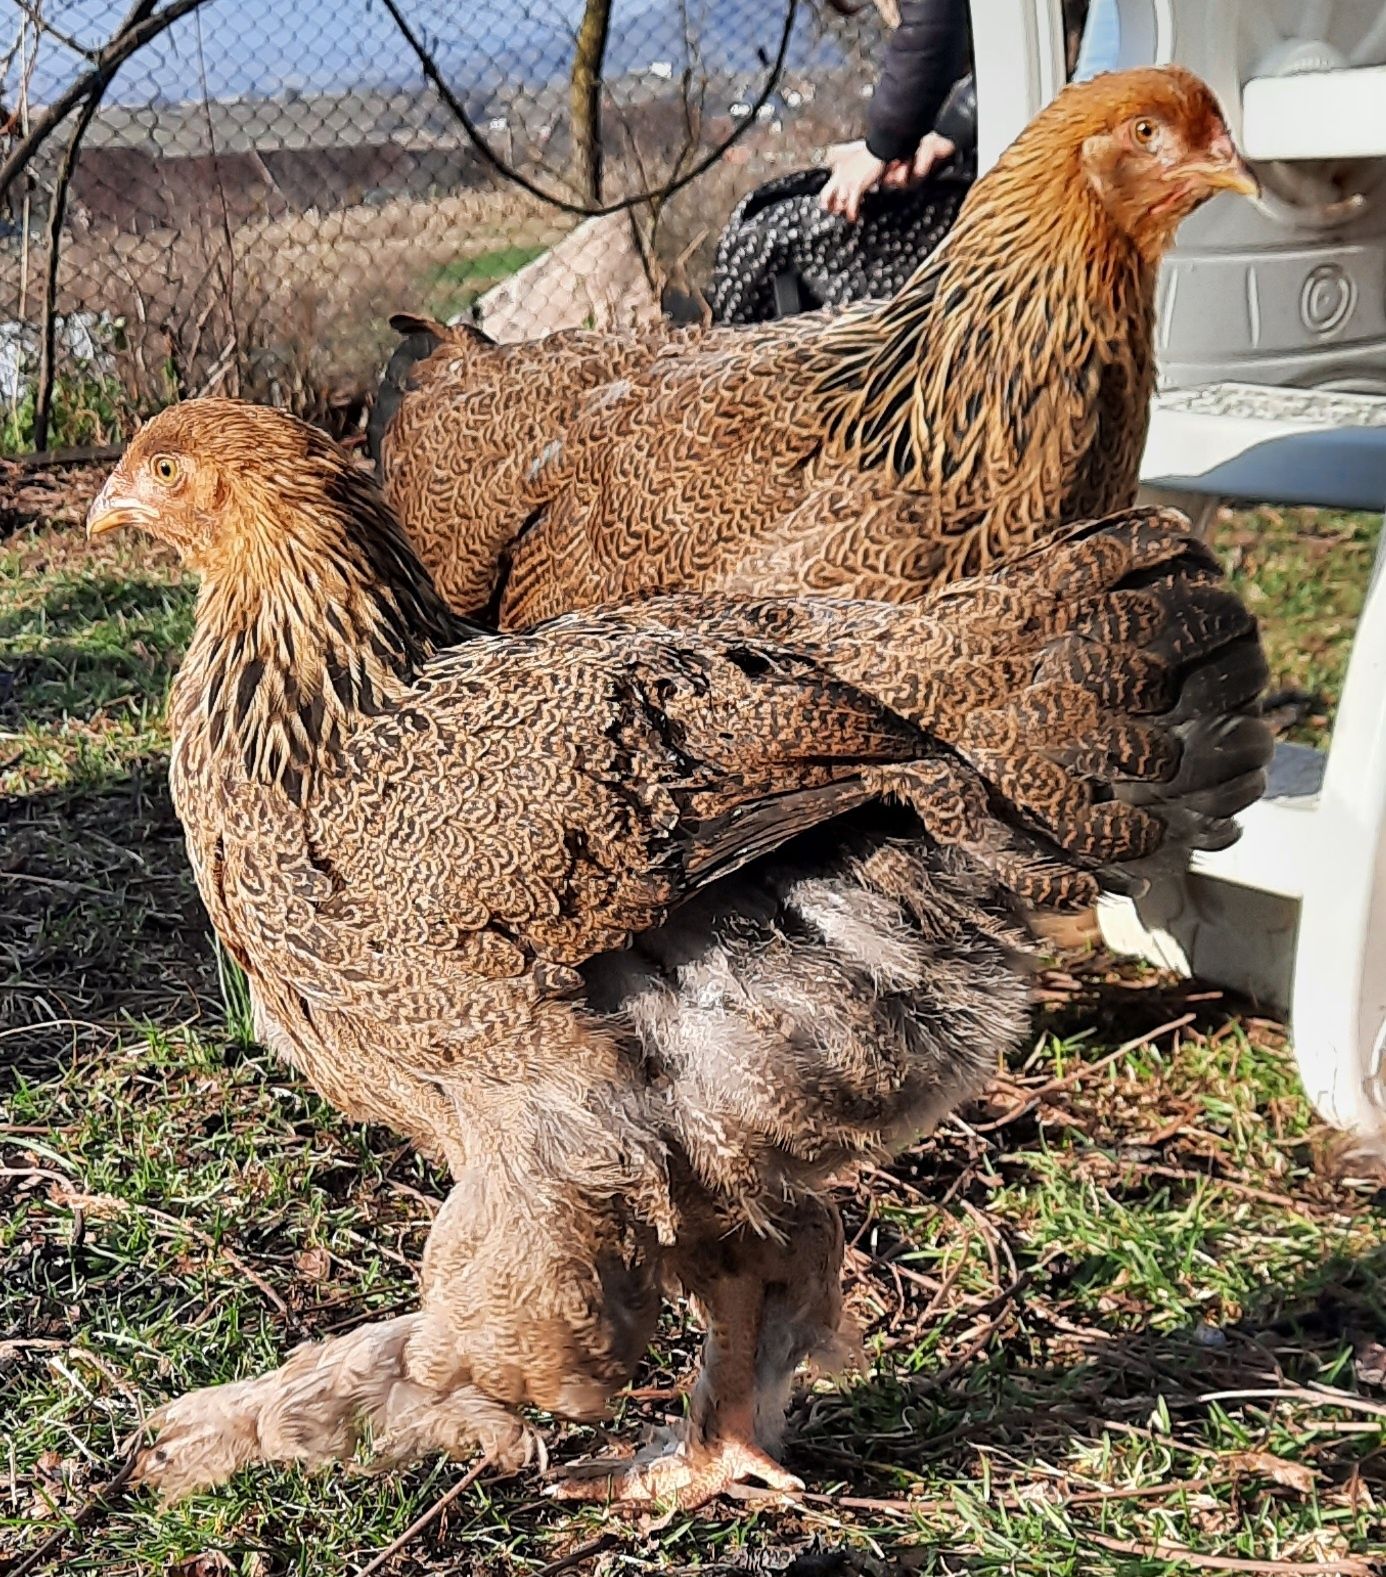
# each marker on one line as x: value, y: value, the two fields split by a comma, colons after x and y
x: 589, y: 59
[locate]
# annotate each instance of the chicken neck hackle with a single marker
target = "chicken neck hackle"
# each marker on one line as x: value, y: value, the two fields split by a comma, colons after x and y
x: 1020, y: 354
x: 313, y: 608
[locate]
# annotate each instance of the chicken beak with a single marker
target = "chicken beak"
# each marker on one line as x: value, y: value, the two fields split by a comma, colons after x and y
x: 1227, y: 171
x: 110, y: 510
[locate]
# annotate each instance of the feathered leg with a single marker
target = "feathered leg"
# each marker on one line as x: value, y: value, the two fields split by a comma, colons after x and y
x: 769, y: 1304
x: 719, y: 1447
x: 507, y: 1319
x: 804, y: 1318
x: 317, y: 1407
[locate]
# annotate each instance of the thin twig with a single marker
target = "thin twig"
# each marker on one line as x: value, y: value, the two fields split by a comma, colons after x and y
x: 36, y: 1171
x: 23, y: 1344
x: 1086, y: 1071
x: 1011, y: 1501
x: 108, y: 1204
x: 33, y: 879
x: 57, y: 1023
x: 588, y: 211
x: 897, y: 1508
x: 1100, y: 1497
x: 57, y: 211
x: 1185, y: 1174
x: 124, y: 42
x: 99, y: 1500
x: 232, y: 354
x: 1003, y: 1304
x: 1320, y: 1395
x: 43, y: 25
x: 416, y: 1527
x: 946, y: 1285
x: 584, y: 1552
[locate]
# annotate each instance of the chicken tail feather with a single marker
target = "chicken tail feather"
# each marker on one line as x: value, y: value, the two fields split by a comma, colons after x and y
x: 1135, y: 734
x: 420, y: 337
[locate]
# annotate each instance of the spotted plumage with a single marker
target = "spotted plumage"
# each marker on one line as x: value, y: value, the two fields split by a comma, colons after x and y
x: 780, y: 253
x: 645, y: 921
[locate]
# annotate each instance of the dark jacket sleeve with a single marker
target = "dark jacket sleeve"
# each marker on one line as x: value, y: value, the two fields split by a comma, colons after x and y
x: 927, y: 53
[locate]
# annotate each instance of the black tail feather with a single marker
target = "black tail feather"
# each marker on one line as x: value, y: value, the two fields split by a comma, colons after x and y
x: 421, y: 337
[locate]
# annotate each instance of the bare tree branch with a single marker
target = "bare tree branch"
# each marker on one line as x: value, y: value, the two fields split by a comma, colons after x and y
x: 585, y: 211
x: 57, y: 208
x: 589, y: 59
x: 141, y: 24
x: 34, y: 12
x: 229, y: 272
x: 889, y: 9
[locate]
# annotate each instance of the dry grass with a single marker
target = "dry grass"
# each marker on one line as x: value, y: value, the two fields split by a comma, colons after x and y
x: 295, y: 308
x: 291, y: 309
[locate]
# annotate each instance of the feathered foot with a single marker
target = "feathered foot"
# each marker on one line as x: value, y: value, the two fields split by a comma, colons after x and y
x: 318, y: 1406
x: 682, y: 1477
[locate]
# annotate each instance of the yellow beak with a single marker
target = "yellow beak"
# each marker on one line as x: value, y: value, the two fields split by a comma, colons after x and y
x: 110, y: 510
x: 1237, y: 177
x: 1227, y: 171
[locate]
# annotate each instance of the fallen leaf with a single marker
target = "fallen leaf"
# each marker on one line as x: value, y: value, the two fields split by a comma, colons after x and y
x: 211, y: 1563
x: 1369, y: 1362
x: 1356, y: 1494
x: 314, y: 1264
x: 1279, y: 1470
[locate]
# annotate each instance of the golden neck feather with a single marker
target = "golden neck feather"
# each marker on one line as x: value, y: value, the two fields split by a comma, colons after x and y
x: 304, y: 627
x: 1032, y: 292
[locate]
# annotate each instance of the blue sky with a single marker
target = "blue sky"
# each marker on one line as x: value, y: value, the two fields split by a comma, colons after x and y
x: 268, y: 46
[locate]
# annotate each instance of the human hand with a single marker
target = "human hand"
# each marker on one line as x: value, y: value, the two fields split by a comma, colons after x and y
x: 856, y: 170
x: 933, y: 150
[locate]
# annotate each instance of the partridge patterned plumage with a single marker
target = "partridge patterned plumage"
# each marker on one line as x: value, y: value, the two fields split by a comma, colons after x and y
x: 873, y: 453
x: 645, y: 921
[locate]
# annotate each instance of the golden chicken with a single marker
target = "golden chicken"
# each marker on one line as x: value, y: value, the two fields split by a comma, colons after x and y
x: 874, y: 453
x: 645, y: 922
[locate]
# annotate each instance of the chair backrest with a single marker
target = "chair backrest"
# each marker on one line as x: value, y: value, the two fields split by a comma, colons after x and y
x: 1018, y: 54
x: 1290, y: 291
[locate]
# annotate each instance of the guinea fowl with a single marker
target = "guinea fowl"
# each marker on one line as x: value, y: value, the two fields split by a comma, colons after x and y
x: 874, y: 453
x: 645, y: 922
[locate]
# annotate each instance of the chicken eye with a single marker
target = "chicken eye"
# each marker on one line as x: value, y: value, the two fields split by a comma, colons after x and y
x: 165, y: 468
x: 1144, y: 131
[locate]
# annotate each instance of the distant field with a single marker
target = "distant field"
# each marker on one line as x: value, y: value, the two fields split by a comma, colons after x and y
x: 312, y: 296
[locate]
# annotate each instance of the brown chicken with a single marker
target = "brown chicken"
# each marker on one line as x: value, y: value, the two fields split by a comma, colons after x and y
x: 874, y: 453
x: 646, y: 922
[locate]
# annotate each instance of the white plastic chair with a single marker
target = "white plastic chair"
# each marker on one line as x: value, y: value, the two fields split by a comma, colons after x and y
x: 1266, y: 317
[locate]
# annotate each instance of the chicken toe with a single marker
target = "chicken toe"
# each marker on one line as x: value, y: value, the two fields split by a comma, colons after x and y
x: 687, y: 1477
x: 200, y: 1441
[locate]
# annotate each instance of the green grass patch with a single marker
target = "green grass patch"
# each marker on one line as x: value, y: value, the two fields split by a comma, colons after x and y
x: 453, y: 287
x: 1117, y: 1314
x: 85, y: 410
x: 1304, y: 573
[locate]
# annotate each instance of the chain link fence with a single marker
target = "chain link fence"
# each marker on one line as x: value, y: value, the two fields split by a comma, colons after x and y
x: 240, y: 202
